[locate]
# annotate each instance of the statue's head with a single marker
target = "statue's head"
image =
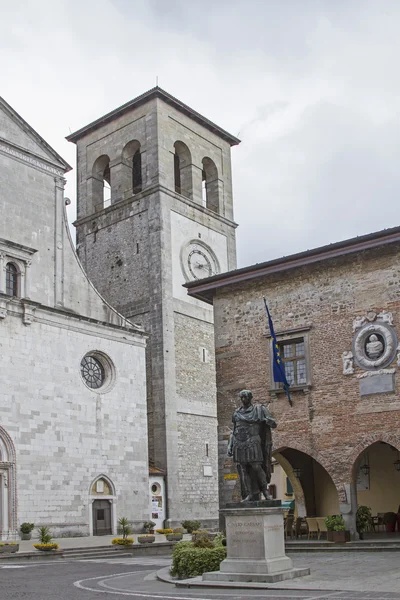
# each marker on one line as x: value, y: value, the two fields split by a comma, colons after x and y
x: 373, y: 338
x: 246, y: 397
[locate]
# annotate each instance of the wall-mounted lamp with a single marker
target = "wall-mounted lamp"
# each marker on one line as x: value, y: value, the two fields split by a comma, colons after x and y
x: 297, y: 471
x: 365, y: 466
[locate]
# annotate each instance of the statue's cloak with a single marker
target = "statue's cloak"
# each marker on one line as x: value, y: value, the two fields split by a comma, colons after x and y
x: 252, y: 439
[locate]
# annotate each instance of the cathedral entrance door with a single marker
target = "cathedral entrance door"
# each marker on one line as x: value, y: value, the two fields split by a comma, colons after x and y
x: 101, y: 517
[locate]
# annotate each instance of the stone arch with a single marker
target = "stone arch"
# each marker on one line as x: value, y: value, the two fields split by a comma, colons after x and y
x: 8, y: 486
x: 368, y: 440
x: 315, y: 489
x: 295, y: 445
x: 295, y: 483
x: 107, y: 480
x: 210, y: 185
x: 131, y: 168
x: 183, y: 170
x: 100, y: 183
x: 107, y: 497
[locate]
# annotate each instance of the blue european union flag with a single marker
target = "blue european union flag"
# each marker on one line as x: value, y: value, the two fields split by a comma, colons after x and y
x: 277, y: 363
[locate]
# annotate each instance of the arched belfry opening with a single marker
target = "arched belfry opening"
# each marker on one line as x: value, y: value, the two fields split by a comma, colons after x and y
x: 131, y: 171
x: 101, y: 183
x: 210, y: 185
x: 183, y: 170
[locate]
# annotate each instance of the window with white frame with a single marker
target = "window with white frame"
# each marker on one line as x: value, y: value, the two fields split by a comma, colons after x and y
x: 15, y: 260
x: 294, y: 352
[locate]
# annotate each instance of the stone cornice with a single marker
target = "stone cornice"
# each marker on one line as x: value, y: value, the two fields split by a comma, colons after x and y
x: 27, y: 157
x: 147, y: 192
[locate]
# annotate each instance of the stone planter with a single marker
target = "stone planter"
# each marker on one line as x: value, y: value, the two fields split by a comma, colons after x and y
x: 174, y: 537
x: 9, y: 548
x: 339, y: 537
x: 146, y: 539
x: 26, y: 536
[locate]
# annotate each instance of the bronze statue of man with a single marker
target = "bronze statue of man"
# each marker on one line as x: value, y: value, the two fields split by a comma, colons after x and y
x: 250, y: 445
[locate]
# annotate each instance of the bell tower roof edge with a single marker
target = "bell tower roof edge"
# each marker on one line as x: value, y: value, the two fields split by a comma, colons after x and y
x: 155, y: 92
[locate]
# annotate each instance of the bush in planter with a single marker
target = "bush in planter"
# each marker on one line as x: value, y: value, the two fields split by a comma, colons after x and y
x: 146, y: 539
x: 179, y: 530
x: 123, y: 527
x: 8, y: 547
x: 335, y: 523
x: 190, y: 526
x: 45, y: 538
x: 164, y: 531
x: 363, y: 519
x: 149, y: 526
x: 189, y: 561
x: 26, y: 530
x: 336, y: 529
x: 124, y: 541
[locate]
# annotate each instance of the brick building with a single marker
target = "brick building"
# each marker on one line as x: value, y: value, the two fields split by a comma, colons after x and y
x: 336, y: 311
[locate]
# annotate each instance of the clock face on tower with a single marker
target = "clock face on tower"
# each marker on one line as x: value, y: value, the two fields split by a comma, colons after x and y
x: 198, y: 261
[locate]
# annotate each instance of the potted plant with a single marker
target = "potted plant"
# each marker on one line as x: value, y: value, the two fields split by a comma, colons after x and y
x: 336, y: 529
x: 8, y: 547
x: 125, y: 530
x: 26, y: 530
x: 148, y: 526
x: 146, y: 539
x: 390, y: 520
x: 190, y: 526
x: 175, y: 536
x: 363, y: 520
x: 45, y: 545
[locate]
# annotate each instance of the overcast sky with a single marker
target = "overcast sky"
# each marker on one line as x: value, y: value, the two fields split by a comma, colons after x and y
x: 311, y: 87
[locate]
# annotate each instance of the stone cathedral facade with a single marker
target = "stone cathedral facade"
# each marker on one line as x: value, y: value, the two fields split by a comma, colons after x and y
x: 73, y: 423
x: 154, y: 211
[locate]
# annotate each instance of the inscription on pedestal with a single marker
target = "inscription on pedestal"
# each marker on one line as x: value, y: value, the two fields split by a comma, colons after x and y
x: 242, y: 532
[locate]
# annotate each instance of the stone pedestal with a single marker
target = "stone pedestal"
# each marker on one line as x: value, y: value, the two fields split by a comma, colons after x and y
x: 255, y: 545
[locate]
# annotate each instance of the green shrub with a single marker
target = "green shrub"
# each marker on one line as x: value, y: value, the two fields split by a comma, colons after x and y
x: 335, y: 523
x: 123, y: 527
x: 26, y: 527
x: 189, y: 561
x: 45, y: 536
x: 203, y: 541
x: 220, y: 539
x: 190, y: 526
x: 363, y: 518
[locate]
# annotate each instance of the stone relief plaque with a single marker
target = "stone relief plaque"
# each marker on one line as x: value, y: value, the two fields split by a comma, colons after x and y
x: 374, y: 346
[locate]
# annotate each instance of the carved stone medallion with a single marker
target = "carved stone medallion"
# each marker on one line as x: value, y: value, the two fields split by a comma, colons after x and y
x: 374, y: 346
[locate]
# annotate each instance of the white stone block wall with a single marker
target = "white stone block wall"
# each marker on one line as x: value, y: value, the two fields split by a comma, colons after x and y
x: 65, y: 434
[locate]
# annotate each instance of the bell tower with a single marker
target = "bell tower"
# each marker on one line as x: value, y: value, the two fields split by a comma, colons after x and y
x: 154, y: 211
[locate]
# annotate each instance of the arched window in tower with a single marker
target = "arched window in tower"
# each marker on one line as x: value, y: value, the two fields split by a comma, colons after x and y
x: 137, y: 172
x: 131, y: 168
x: 12, y: 276
x: 107, y: 187
x: 183, y: 170
x: 101, y: 183
x: 210, y: 185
